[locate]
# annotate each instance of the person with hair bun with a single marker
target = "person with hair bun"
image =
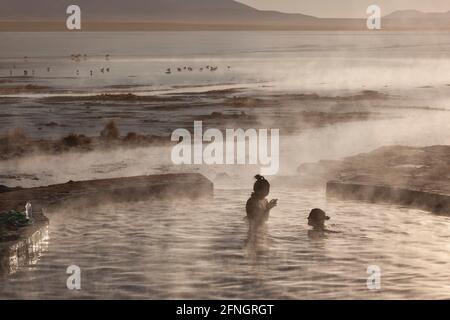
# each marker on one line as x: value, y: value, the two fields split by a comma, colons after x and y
x: 257, y: 207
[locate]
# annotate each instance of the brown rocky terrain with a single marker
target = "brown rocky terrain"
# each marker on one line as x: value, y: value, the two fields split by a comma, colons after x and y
x: 419, y: 168
x: 411, y: 176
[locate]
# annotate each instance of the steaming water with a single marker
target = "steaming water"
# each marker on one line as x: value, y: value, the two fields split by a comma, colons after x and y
x: 198, y: 250
x: 294, y: 60
x: 202, y: 250
x: 332, y: 142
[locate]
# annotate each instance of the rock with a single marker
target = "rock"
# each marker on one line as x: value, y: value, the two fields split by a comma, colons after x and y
x: 51, y: 124
x: 411, y: 176
x: 433, y: 202
x: 4, y: 188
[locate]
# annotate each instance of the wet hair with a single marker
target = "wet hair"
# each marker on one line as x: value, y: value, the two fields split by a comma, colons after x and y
x: 318, y: 215
x: 261, y: 186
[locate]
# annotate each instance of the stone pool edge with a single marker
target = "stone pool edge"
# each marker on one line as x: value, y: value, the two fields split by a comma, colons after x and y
x: 428, y: 201
x: 88, y: 193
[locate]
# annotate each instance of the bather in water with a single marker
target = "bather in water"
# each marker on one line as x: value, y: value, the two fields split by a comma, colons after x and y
x: 257, y: 207
x: 316, y: 219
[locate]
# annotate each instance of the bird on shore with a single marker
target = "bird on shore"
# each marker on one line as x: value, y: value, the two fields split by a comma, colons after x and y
x: 75, y: 57
x: 92, y: 73
x: 25, y: 73
x: 168, y: 71
x: 179, y: 69
x: 102, y: 70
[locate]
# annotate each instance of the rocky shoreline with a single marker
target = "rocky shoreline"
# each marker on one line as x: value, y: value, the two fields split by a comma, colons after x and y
x: 411, y: 176
x: 427, y: 201
x: 76, y: 122
x: 16, y: 144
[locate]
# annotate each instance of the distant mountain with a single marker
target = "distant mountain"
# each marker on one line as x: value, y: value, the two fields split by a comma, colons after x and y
x: 175, y: 11
x: 127, y: 15
x: 417, y: 20
x: 417, y: 15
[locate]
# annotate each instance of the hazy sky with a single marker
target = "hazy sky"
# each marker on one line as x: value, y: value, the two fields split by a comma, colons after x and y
x: 347, y: 8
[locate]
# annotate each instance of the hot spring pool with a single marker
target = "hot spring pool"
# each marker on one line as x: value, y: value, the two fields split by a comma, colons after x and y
x: 201, y: 250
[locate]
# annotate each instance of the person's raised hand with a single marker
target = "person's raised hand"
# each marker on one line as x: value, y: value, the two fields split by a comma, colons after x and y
x: 273, y: 203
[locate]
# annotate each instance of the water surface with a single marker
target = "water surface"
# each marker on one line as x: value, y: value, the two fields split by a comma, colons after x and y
x: 202, y: 250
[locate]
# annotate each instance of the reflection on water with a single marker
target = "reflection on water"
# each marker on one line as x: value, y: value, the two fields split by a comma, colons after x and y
x: 24, y: 253
x: 184, y: 249
x: 257, y: 241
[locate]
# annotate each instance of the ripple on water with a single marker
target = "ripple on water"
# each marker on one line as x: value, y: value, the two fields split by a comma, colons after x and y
x: 202, y: 250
